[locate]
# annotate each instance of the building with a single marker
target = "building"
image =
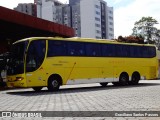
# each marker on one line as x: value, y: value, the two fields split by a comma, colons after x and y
x: 76, y: 18
x: 89, y: 18
x: 27, y: 8
x: 110, y: 19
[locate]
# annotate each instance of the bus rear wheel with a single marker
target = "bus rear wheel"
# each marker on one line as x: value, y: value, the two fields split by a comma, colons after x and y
x: 104, y: 84
x: 115, y: 83
x: 37, y: 89
x: 53, y: 84
x: 135, y: 79
x: 123, y: 79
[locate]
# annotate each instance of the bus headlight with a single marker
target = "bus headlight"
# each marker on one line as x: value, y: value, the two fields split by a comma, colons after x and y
x: 19, y: 78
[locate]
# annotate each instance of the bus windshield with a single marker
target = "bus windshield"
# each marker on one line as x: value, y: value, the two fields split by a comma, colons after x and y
x: 16, y: 61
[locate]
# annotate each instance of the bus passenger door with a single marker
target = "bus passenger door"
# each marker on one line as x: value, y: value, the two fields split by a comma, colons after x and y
x: 34, y: 67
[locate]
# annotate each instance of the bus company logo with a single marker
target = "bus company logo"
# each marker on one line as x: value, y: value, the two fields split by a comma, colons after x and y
x: 6, y: 114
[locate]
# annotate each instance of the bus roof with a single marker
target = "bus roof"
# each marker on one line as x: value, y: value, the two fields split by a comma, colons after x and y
x: 78, y: 39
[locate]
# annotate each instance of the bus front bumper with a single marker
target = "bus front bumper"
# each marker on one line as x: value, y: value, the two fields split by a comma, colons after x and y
x: 14, y: 81
x: 16, y: 84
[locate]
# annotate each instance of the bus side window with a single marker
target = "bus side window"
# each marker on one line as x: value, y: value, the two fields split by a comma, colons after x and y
x: 108, y: 50
x: 93, y: 49
x: 105, y: 50
x: 118, y: 50
x: 137, y: 51
x: 122, y: 50
x: 151, y: 51
x: 145, y: 52
x: 125, y: 51
x: 56, y: 48
x: 131, y: 51
x: 76, y: 49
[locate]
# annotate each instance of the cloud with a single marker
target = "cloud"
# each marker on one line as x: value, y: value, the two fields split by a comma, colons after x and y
x: 125, y: 17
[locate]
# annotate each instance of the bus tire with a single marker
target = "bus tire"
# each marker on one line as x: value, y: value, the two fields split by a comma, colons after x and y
x: 123, y: 79
x: 115, y: 83
x: 54, y: 83
x: 37, y: 89
x: 104, y: 84
x: 135, y: 78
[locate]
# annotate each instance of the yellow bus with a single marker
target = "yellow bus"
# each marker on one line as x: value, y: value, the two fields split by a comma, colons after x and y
x: 52, y: 62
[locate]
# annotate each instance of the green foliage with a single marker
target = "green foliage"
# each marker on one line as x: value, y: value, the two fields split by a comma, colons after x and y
x: 145, y: 28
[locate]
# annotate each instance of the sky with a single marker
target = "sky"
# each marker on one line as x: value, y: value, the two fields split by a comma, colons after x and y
x: 126, y: 12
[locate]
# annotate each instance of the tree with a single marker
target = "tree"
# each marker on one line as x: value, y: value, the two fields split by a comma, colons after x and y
x: 131, y: 39
x: 157, y: 39
x: 145, y: 28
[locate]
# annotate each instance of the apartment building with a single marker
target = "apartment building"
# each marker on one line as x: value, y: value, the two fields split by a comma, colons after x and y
x: 27, y: 8
x: 89, y: 18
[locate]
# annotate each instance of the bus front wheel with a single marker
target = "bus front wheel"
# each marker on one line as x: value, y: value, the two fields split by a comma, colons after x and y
x: 53, y: 84
x: 104, y: 84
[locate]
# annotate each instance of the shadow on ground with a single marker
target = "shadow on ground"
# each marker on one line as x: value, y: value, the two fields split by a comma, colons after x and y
x: 29, y: 92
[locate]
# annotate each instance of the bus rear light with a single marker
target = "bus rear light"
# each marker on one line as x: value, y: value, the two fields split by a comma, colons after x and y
x: 19, y: 78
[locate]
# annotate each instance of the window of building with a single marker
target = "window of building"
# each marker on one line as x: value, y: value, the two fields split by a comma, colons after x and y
x: 97, y: 25
x: 97, y: 6
x: 97, y: 19
x: 110, y: 12
x: 98, y: 31
x: 111, y: 29
x: 98, y: 13
x: 110, y: 23
x: 111, y: 18
x: 111, y: 35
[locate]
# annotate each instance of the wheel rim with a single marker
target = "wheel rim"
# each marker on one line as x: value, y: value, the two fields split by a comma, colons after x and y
x: 54, y: 83
x: 123, y: 79
x: 135, y: 80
